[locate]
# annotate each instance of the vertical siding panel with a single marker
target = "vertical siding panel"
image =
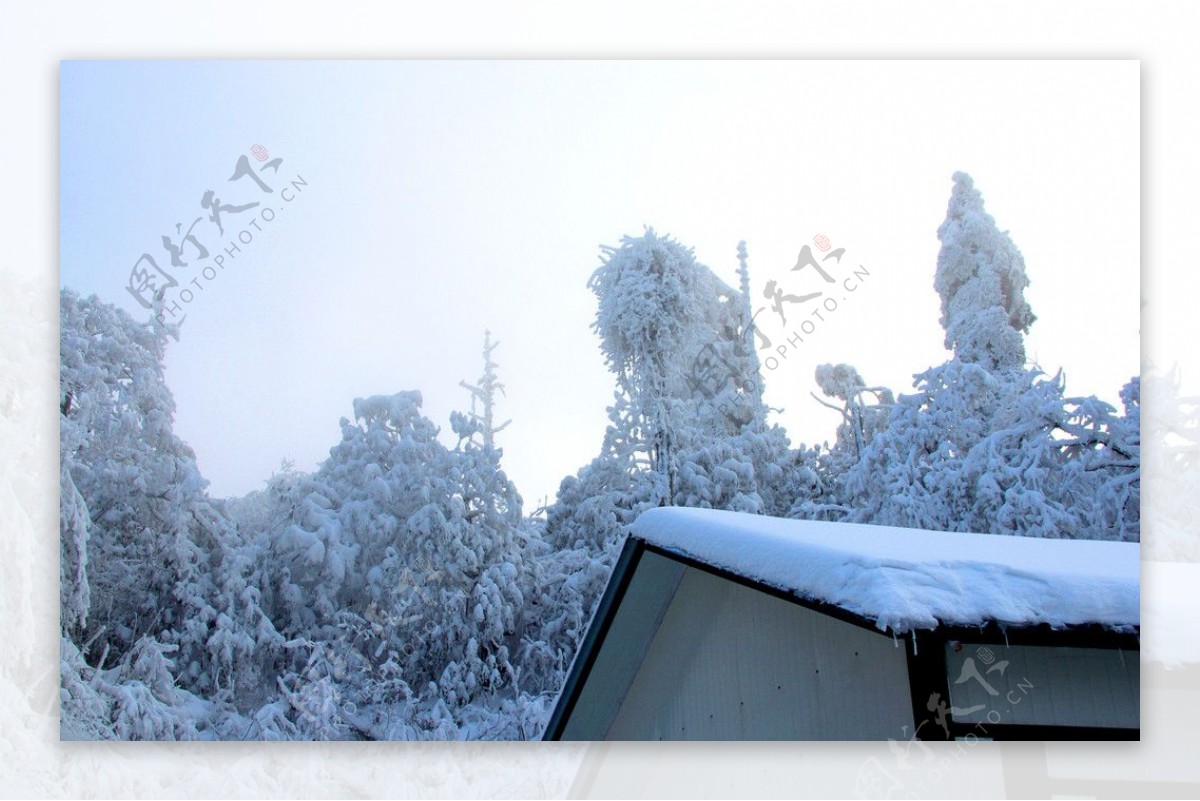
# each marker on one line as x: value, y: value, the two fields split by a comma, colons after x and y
x: 731, y: 662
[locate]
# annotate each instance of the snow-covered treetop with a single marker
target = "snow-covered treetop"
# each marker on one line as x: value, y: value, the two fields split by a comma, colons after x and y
x: 981, y: 280
x: 481, y: 419
x: 657, y: 307
x: 839, y: 380
x: 388, y: 408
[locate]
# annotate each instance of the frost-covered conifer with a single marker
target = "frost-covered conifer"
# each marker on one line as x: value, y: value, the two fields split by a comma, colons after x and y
x: 150, y: 563
x: 981, y: 281
x: 986, y: 444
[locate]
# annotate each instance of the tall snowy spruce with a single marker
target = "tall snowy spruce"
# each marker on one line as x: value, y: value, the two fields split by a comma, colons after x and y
x: 981, y: 281
x: 987, y: 444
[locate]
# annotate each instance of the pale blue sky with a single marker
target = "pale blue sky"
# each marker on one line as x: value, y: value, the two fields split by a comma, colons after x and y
x: 446, y: 197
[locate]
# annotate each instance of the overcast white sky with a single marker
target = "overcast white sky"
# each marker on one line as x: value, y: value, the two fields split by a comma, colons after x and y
x: 444, y: 198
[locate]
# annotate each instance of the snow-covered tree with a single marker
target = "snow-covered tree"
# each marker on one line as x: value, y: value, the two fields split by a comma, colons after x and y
x: 401, y: 558
x: 675, y: 336
x: 493, y: 513
x: 818, y: 480
x: 137, y: 699
x: 747, y: 380
x: 986, y: 444
x: 144, y: 566
x: 981, y: 281
x: 124, y: 469
x: 1104, y: 451
x: 864, y: 409
x: 150, y: 563
x: 481, y: 419
x: 74, y: 522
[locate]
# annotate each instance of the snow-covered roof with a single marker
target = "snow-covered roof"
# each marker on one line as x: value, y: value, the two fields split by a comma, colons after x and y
x: 906, y: 579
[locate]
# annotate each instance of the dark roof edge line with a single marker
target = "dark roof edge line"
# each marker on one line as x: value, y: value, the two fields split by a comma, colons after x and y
x: 593, y: 638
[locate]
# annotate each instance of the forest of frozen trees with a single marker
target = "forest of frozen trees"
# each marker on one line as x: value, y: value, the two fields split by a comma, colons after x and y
x: 401, y: 591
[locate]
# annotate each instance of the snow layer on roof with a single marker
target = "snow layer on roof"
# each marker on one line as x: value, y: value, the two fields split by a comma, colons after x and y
x: 907, y: 579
